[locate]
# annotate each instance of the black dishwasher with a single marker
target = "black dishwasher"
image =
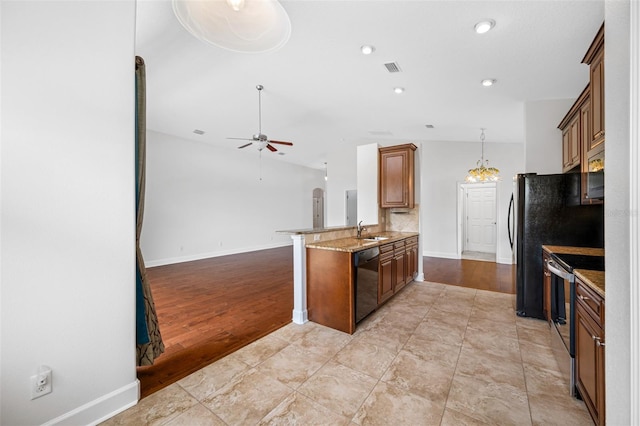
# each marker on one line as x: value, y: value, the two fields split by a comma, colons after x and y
x: 366, y: 281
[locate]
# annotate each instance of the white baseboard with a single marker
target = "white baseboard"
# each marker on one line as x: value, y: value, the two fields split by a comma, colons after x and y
x: 441, y: 255
x: 200, y: 256
x: 300, y: 317
x: 505, y: 260
x: 101, y: 409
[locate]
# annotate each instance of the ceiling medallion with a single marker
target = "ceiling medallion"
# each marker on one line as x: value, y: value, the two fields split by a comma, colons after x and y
x: 483, y: 173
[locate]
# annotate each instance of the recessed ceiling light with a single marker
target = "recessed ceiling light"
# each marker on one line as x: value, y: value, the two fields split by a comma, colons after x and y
x: 367, y: 49
x: 398, y: 90
x: 488, y: 82
x: 484, y: 26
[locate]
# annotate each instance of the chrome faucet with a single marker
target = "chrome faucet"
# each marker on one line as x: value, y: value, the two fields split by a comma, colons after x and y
x: 360, y: 228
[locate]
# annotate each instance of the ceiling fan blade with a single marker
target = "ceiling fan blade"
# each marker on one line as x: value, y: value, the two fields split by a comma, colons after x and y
x: 271, y: 148
x: 281, y: 143
x: 246, y: 145
x: 241, y: 139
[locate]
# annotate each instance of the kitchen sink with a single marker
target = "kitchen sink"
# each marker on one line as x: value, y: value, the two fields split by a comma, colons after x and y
x: 376, y: 238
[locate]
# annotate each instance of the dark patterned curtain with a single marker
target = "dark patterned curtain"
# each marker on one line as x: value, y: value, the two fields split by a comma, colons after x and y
x: 148, y: 339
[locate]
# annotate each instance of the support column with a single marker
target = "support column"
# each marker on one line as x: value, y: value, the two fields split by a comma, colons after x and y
x: 300, y: 314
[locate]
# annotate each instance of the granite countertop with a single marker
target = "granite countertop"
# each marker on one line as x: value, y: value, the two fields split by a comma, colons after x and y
x: 594, y: 279
x: 315, y: 230
x: 589, y: 251
x: 353, y: 244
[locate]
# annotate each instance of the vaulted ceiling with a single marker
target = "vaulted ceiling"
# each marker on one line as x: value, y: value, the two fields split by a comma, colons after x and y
x: 322, y: 94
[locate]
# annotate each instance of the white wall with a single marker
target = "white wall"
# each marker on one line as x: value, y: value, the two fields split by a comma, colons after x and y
x: 342, y: 169
x: 367, y: 183
x: 617, y: 215
x: 444, y: 167
x: 67, y: 214
x: 543, y: 139
x: 204, y: 201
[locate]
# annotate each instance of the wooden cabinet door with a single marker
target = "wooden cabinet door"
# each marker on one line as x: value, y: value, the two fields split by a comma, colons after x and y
x: 397, y: 176
x: 571, y: 144
x: 385, y: 279
x: 589, y: 354
x: 597, y: 100
x: 400, y: 262
x: 412, y: 262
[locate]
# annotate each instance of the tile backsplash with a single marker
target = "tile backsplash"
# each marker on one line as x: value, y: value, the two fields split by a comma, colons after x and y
x: 402, y: 220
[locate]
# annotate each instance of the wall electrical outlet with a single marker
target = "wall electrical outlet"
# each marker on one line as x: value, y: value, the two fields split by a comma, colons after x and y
x: 41, y: 382
x: 316, y: 237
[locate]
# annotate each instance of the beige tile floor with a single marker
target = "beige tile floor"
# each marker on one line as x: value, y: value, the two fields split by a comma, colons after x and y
x: 434, y: 355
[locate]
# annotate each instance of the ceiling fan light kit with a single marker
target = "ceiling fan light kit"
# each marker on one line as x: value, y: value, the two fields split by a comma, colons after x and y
x: 249, y: 26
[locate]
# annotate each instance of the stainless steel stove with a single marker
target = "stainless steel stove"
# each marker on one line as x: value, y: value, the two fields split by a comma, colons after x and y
x: 563, y: 294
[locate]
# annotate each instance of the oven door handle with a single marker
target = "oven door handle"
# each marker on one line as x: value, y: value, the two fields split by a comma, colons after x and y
x: 556, y: 270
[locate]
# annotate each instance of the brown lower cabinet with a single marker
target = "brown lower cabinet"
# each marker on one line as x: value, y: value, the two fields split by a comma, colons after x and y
x: 589, y: 334
x: 386, y: 274
x: 330, y: 274
x: 398, y: 267
x: 330, y: 297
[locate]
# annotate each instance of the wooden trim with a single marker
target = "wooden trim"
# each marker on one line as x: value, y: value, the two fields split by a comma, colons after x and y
x: 575, y: 107
x: 596, y: 45
x: 398, y: 147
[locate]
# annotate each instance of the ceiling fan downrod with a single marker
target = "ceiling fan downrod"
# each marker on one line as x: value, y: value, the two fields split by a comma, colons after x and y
x: 260, y: 87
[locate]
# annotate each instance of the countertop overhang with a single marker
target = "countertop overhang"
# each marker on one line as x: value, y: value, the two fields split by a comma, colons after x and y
x: 353, y: 244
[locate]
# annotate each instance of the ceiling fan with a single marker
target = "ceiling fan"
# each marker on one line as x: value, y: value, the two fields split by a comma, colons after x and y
x: 260, y: 139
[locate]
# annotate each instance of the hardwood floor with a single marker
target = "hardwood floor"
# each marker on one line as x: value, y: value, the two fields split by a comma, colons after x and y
x: 212, y: 307
x: 471, y: 273
x: 209, y: 308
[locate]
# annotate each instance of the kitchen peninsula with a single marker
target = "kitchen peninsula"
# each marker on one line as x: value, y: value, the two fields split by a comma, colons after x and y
x: 341, y: 239
x: 349, y: 278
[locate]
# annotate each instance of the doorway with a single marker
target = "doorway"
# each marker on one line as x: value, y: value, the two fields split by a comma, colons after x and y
x: 318, y: 208
x: 479, y: 222
x: 352, y: 207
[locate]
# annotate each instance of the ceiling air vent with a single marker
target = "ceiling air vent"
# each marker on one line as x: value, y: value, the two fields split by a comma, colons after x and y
x: 392, y: 67
x: 429, y: 126
x: 198, y: 132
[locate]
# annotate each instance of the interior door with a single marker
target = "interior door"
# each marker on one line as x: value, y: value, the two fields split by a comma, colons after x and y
x: 318, y: 208
x: 480, y: 227
x: 352, y: 207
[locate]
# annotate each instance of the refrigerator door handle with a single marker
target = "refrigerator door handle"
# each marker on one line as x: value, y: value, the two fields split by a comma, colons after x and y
x: 511, y: 207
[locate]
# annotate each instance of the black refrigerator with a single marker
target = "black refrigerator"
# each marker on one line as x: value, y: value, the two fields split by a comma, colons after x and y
x: 548, y: 211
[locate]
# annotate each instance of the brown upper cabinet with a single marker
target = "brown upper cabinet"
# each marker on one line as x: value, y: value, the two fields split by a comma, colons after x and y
x: 573, y: 127
x: 397, y: 176
x: 583, y: 126
x: 595, y: 59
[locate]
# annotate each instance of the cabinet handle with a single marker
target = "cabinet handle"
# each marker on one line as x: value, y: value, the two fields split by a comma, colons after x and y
x: 581, y: 297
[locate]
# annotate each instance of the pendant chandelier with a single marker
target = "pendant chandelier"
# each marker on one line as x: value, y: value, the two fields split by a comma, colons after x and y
x: 248, y: 26
x: 482, y: 172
